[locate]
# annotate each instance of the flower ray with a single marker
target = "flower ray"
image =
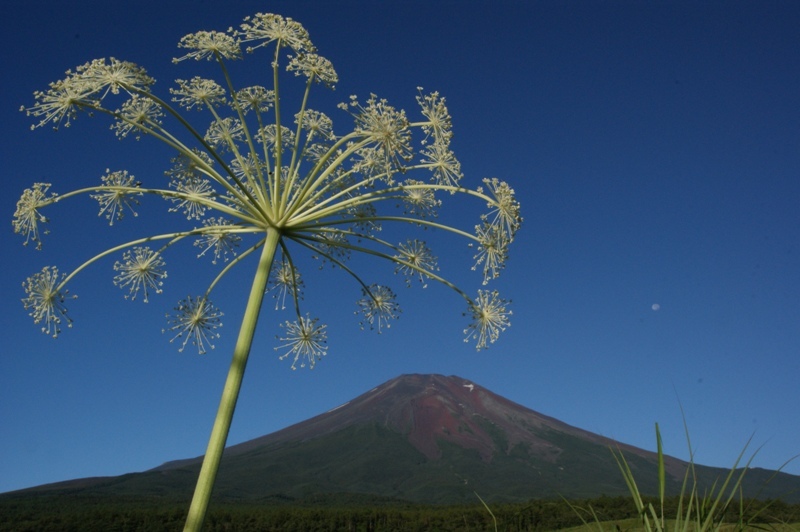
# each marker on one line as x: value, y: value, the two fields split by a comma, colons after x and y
x: 196, y: 320
x: 305, y: 341
x: 285, y: 280
x: 378, y: 307
x: 27, y: 218
x: 141, y: 268
x: 45, y: 300
x: 490, y: 317
x: 114, y: 201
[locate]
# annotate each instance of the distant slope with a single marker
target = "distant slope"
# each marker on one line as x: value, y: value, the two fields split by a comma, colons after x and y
x: 424, y: 438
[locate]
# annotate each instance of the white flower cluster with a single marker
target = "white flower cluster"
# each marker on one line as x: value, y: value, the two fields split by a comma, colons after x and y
x: 249, y: 179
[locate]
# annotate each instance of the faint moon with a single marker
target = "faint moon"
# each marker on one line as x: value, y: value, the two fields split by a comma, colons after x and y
x: 655, y: 306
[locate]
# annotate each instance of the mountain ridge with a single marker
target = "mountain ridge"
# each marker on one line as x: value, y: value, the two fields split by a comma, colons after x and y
x: 425, y: 422
x: 425, y: 438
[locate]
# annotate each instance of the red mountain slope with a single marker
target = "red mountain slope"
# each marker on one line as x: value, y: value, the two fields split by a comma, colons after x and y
x: 432, y: 408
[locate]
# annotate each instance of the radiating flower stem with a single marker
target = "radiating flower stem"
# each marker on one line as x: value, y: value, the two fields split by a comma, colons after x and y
x: 233, y: 383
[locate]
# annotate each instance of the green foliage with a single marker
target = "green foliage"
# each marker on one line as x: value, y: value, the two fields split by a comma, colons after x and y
x: 335, y: 512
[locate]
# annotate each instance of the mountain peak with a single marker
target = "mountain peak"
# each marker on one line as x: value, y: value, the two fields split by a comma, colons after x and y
x: 427, y: 438
x: 429, y: 409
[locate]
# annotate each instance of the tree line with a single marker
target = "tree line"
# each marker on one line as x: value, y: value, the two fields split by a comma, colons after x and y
x: 65, y: 513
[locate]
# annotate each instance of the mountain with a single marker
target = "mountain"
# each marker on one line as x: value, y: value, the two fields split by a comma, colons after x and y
x: 425, y: 438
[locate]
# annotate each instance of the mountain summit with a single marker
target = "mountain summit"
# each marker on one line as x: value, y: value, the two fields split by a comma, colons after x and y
x: 426, y: 438
x: 432, y: 411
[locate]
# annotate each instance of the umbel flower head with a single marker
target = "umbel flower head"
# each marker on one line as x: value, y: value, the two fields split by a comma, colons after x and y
x: 254, y: 170
x: 253, y: 183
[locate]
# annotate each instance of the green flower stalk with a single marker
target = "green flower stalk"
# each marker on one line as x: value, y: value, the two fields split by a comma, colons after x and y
x: 257, y: 182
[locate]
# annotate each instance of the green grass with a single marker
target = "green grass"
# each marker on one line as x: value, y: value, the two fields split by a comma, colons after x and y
x: 635, y: 525
x: 720, y: 508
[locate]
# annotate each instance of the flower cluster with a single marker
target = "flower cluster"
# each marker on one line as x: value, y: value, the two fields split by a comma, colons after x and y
x: 256, y: 98
x: 305, y: 341
x: 249, y: 178
x: 497, y: 229
x: 269, y: 27
x: 195, y: 319
x: 198, y: 93
x: 209, y: 45
x: 136, y: 116
x: 314, y: 67
x: 378, y: 307
x: 489, y: 318
x: 285, y: 281
x: 27, y: 218
x: 218, y: 238
x: 119, y: 192
x: 439, y: 122
x: 84, y: 89
x: 45, y: 300
x: 141, y: 268
x: 414, y: 258
x: 386, y: 133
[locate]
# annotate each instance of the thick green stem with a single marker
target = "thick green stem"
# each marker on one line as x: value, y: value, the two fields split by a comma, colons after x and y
x: 230, y: 393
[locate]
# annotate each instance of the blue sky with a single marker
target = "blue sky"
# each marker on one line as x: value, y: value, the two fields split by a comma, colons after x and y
x: 655, y: 148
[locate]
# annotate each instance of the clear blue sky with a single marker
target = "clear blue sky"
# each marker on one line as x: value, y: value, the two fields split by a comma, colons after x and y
x: 654, y: 146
